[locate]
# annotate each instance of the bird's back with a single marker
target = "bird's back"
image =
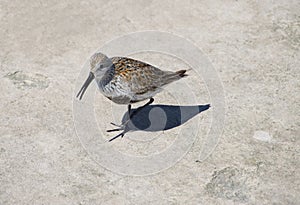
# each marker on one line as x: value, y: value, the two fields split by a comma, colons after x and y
x: 139, y: 80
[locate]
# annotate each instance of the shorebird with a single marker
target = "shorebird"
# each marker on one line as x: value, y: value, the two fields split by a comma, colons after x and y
x: 125, y: 81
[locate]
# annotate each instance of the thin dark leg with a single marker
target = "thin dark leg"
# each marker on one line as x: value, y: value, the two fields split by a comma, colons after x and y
x: 114, y: 124
x: 138, y: 109
x: 131, y: 114
x: 129, y: 109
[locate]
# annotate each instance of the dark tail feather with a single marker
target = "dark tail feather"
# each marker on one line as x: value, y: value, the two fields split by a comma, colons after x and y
x: 173, y: 76
x: 181, y: 73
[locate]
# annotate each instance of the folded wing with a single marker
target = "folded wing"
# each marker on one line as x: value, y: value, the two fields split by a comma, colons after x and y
x: 141, y: 77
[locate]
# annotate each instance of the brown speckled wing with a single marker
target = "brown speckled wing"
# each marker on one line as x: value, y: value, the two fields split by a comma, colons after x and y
x: 139, y: 76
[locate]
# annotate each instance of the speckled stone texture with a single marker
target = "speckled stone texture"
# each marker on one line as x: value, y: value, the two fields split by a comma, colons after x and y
x: 253, y: 45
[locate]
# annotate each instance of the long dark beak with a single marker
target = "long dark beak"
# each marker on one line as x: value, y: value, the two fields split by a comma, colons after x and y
x: 85, y: 85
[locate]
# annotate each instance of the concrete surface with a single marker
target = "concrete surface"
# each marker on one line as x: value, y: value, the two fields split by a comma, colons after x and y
x: 254, y: 46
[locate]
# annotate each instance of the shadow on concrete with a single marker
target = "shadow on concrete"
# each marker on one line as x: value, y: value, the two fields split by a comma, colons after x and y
x: 154, y: 118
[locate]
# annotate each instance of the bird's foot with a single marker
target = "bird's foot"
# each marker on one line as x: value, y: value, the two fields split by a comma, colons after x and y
x: 117, y: 125
x: 114, y: 130
x: 119, y: 135
x: 120, y: 128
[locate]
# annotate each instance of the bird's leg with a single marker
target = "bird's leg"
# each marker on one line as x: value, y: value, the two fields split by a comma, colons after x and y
x: 140, y: 108
x: 120, y: 126
x: 129, y: 109
x: 130, y: 114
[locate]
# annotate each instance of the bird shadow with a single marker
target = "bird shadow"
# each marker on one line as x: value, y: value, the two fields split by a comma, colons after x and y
x: 154, y: 118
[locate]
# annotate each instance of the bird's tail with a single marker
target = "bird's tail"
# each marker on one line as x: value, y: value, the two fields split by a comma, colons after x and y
x: 173, y: 76
x: 181, y: 73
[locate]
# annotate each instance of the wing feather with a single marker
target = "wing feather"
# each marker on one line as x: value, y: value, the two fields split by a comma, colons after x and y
x: 140, y: 77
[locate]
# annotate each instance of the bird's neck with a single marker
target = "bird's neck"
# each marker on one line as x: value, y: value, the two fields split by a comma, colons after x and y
x: 105, y: 78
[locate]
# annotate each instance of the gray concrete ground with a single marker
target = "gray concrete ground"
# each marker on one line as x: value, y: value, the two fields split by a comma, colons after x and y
x: 253, y: 45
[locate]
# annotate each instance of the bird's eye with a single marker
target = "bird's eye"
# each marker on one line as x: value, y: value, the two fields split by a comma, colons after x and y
x: 101, y: 66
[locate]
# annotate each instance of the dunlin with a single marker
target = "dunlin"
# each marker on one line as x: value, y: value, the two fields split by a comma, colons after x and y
x: 125, y: 81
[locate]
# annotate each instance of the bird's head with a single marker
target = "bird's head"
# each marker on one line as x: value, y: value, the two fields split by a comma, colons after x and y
x: 99, y: 63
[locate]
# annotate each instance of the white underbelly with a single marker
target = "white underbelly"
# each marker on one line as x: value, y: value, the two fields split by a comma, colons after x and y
x: 121, y: 96
x: 116, y: 94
